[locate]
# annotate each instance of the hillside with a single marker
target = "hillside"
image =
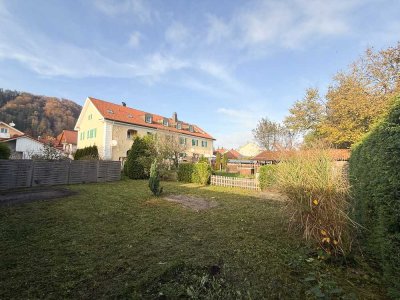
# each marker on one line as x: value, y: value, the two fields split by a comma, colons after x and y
x: 38, y: 115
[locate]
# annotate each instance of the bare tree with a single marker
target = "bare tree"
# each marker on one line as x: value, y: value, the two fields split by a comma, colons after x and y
x: 170, y: 146
x: 272, y: 135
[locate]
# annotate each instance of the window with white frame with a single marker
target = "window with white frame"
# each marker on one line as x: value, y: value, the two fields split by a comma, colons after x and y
x: 148, y: 118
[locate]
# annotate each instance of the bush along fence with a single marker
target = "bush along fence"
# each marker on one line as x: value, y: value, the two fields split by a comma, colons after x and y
x: 197, y: 173
x: 27, y: 173
x: 244, y: 183
x: 375, y: 179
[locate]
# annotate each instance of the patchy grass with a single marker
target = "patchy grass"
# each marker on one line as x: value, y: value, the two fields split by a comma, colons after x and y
x: 117, y: 240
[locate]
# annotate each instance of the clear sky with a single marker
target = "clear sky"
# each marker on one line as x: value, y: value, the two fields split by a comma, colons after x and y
x: 220, y: 64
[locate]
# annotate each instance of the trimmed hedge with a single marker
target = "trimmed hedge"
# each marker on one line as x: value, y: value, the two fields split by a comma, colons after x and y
x: 90, y: 152
x: 201, y: 173
x: 267, y: 176
x: 5, y: 151
x: 375, y: 178
x: 185, y: 171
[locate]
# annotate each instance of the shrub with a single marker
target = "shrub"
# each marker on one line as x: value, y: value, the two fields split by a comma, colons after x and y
x: 317, y: 195
x: 154, y: 180
x: 185, y: 171
x: 217, y: 165
x: 87, y: 153
x: 201, y: 173
x: 224, y: 161
x: 137, y: 163
x: 5, y: 151
x: 375, y: 179
x: 267, y: 176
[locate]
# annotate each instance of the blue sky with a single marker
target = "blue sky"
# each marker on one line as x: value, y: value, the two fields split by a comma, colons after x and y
x: 220, y: 64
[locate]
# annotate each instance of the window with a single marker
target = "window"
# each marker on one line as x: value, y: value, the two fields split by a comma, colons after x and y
x: 90, y: 117
x: 179, y: 125
x: 182, y: 140
x: 204, y: 143
x: 195, y: 142
x: 4, y: 130
x: 148, y: 118
x: 131, y: 134
x: 165, y: 122
x: 90, y: 133
x: 110, y: 111
x: 191, y: 129
x: 82, y: 136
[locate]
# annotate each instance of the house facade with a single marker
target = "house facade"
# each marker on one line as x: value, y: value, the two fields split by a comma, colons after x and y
x: 8, y: 131
x: 112, y: 128
x: 67, y: 142
x: 250, y: 150
x: 23, y: 147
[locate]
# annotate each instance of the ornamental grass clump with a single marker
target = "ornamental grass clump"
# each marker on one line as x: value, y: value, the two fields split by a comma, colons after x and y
x: 317, y: 204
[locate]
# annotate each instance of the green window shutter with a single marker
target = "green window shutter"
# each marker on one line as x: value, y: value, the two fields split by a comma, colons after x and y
x: 95, y: 132
x: 193, y: 142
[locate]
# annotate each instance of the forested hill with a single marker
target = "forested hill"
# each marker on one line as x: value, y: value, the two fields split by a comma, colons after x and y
x: 38, y: 115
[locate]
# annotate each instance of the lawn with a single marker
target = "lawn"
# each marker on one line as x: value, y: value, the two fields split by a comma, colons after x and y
x: 115, y: 240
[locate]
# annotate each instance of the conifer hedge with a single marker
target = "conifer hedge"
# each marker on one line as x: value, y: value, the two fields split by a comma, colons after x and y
x: 90, y: 152
x: 375, y: 179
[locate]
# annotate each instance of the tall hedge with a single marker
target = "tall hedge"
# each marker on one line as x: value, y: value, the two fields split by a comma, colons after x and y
x: 90, y: 152
x: 185, y: 171
x: 201, y: 173
x: 138, y: 162
x: 267, y: 176
x: 5, y: 151
x: 375, y: 178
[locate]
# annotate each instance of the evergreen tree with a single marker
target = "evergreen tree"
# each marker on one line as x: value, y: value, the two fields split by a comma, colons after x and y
x: 154, y: 180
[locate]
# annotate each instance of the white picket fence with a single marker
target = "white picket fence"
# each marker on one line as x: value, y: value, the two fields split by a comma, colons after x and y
x: 244, y: 183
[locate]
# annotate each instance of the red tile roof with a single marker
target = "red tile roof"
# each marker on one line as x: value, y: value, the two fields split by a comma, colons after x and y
x: 120, y: 113
x: 68, y: 136
x: 336, y: 154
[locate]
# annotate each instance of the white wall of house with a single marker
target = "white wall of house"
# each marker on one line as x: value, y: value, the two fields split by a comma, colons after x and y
x: 28, y: 147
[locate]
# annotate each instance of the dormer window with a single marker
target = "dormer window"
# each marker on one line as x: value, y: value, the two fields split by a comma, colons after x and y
x: 179, y: 125
x: 130, y: 116
x: 165, y: 122
x: 191, y: 129
x: 148, y: 118
x: 110, y: 111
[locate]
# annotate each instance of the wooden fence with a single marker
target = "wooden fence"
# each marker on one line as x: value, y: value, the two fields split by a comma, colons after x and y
x: 26, y: 173
x: 244, y: 183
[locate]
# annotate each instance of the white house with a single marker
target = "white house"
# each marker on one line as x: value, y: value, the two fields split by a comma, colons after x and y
x: 23, y: 147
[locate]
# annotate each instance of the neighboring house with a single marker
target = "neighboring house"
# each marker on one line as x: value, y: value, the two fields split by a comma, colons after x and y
x: 112, y: 128
x: 231, y: 154
x: 8, y: 131
x: 250, y: 150
x: 67, y: 141
x: 23, y: 146
x: 273, y: 157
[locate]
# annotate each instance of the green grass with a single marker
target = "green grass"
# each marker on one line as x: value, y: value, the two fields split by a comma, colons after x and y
x: 116, y: 240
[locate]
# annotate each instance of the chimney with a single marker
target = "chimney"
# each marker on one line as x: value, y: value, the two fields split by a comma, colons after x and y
x: 123, y: 103
x: 175, y: 117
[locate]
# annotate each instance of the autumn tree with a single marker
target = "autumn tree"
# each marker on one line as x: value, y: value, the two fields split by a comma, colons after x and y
x: 170, y: 147
x: 272, y: 135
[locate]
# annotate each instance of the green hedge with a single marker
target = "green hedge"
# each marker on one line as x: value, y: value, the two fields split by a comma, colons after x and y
x: 201, y: 173
x: 90, y: 152
x: 5, y: 151
x: 375, y: 179
x: 267, y: 176
x: 185, y: 171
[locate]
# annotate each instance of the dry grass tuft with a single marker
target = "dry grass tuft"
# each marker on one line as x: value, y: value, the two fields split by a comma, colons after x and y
x: 318, y: 194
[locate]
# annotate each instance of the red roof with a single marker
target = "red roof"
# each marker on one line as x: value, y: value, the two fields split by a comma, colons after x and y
x: 336, y: 154
x: 120, y: 113
x: 68, y: 136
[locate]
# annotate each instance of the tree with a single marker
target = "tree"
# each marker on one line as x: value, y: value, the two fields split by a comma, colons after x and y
x: 5, y: 151
x: 49, y: 153
x: 224, y: 161
x: 169, y: 147
x: 307, y: 114
x: 217, y: 165
x: 272, y: 135
x: 137, y: 165
x: 154, y: 180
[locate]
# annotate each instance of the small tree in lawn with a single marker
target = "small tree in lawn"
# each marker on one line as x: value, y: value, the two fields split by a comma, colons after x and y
x: 154, y: 180
x: 224, y: 161
x: 217, y: 166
